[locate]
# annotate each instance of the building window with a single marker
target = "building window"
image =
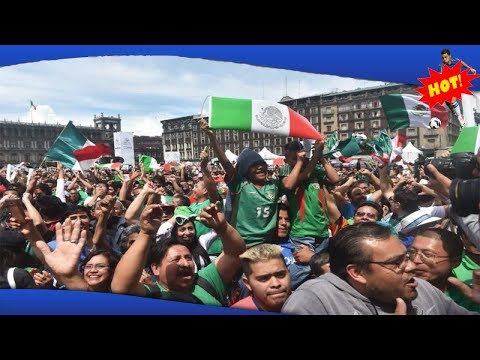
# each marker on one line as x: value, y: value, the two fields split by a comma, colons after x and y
x: 359, y: 115
x: 375, y: 124
x: 245, y: 136
x: 278, y: 150
x: 343, y: 136
x: 314, y: 119
x: 313, y: 110
x: 329, y: 127
x: 277, y: 141
x: 235, y: 137
x: 266, y: 142
x: 301, y: 111
x: 343, y: 117
x: 246, y: 143
x: 358, y: 125
x: 255, y: 143
x: 431, y: 140
x: 412, y: 131
x: 343, y: 127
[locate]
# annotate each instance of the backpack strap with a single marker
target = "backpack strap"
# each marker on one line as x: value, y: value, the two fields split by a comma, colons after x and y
x: 10, y: 278
x: 205, y: 285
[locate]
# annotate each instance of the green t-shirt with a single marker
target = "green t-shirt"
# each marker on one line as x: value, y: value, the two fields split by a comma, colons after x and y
x: 209, y: 273
x: 255, y: 209
x: 308, y: 205
x: 196, y: 208
x: 463, y: 272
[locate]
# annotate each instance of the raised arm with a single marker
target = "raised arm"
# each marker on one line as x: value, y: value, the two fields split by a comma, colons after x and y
x: 105, y: 206
x: 385, y: 186
x: 227, y: 165
x: 290, y: 182
x: 126, y: 279
x: 63, y: 261
x: 228, y: 262
x: 208, y: 181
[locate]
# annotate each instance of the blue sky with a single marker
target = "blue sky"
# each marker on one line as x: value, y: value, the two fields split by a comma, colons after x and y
x: 145, y: 89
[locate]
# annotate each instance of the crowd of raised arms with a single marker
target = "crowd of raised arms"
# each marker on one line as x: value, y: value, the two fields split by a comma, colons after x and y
x: 302, y: 238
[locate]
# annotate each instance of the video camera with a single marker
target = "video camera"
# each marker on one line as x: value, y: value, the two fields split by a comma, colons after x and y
x: 459, y: 165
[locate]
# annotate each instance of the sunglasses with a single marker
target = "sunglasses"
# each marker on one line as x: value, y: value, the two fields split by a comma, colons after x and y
x: 182, y: 221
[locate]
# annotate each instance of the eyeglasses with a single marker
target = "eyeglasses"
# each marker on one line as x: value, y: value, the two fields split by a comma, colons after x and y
x: 369, y: 215
x: 397, y: 265
x: 426, y: 256
x: 96, y: 266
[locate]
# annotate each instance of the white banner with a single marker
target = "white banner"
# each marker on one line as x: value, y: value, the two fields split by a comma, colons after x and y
x: 123, y: 144
x: 172, y: 156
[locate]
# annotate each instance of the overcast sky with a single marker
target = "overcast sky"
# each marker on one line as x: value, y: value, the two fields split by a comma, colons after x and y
x: 145, y: 89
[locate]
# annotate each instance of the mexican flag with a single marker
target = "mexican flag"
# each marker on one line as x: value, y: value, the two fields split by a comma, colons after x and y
x: 149, y: 163
x: 406, y: 110
x: 388, y: 150
x: 468, y: 140
x: 87, y: 155
x: 345, y: 149
x: 332, y: 141
x: 259, y: 116
x: 70, y: 139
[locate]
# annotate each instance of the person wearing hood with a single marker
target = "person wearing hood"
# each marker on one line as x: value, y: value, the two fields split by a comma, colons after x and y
x: 372, y: 273
x: 253, y: 198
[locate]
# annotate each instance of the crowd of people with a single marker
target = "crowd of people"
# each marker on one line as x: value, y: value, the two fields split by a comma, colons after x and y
x: 303, y: 238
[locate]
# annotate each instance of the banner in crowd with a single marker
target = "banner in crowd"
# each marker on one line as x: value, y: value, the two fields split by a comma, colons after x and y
x: 123, y: 146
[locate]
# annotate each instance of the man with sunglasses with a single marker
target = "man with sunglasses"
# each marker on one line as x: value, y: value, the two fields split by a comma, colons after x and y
x: 371, y: 274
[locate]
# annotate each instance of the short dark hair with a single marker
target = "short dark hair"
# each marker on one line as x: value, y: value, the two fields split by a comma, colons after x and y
x: 348, y: 245
x: 408, y: 199
x: 451, y: 242
x: 445, y: 51
x: 294, y: 145
x: 317, y: 261
x: 372, y: 205
x: 159, y: 249
x: 112, y: 259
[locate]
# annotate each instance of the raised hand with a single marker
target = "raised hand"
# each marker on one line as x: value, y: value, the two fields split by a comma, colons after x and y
x: 439, y: 182
x: 204, y: 126
x: 106, y: 205
x: 213, y: 217
x: 471, y: 293
x: 151, y: 218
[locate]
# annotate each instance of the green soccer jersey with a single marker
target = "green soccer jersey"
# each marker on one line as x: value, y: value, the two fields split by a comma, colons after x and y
x: 196, y: 208
x: 209, y: 273
x: 307, y: 205
x: 464, y: 273
x: 254, y: 209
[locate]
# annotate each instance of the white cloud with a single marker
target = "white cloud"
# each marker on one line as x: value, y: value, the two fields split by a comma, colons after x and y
x: 145, y: 89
